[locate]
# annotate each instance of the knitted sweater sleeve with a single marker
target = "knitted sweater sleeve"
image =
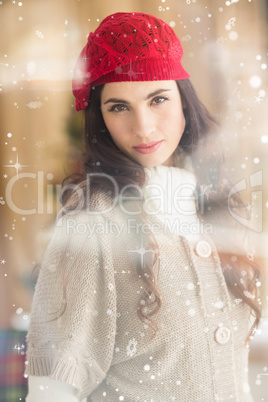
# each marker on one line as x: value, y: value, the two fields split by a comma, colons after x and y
x: 73, y: 320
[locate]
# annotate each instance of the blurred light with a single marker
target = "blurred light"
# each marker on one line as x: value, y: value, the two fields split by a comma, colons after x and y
x: 264, y: 139
x: 238, y: 115
x: 255, y: 81
x: 263, y: 66
x: 50, y: 176
x: 256, y: 160
x: 233, y: 35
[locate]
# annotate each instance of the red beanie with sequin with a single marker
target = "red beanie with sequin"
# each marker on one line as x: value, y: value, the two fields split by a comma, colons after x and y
x: 127, y: 47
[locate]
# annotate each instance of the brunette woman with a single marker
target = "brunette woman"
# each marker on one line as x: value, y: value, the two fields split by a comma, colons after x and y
x: 145, y: 291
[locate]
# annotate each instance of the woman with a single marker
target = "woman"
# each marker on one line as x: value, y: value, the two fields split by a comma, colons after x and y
x: 145, y: 291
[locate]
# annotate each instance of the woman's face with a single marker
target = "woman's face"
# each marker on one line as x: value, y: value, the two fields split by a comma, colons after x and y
x: 145, y: 119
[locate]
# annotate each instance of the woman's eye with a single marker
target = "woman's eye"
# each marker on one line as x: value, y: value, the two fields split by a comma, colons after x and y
x: 159, y: 99
x: 117, y: 108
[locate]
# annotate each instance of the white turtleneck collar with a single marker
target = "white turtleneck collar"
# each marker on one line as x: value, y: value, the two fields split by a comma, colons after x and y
x: 170, y: 195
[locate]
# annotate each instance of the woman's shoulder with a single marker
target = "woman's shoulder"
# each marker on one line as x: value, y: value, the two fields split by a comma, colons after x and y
x: 86, y: 203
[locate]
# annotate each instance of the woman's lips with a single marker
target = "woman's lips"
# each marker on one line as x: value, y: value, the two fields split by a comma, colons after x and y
x: 148, y: 148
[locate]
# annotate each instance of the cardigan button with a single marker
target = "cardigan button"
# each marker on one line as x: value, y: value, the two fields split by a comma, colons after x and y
x: 222, y: 335
x: 203, y: 249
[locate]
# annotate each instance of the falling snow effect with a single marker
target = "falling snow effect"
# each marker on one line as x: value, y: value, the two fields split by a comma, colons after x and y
x: 142, y: 251
x: 229, y: 3
x: 255, y: 83
x: 39, y: 34
x: 132, y: 347
x: 31, y: 67
x: 249, y: 295
x: 186, y: 38
x: 41, y: 144
x: 34, y: 105
x: 18, y: 166
x: 20, y: 349
x: 230, y: 24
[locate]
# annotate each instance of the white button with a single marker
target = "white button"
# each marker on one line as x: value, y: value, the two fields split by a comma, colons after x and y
x: 203, y: 249
x: 222, y: 335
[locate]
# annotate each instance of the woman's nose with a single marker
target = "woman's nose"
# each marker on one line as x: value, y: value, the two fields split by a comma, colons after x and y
x: 143, y: 123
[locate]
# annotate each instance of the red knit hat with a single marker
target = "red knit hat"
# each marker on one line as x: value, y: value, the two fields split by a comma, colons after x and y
x: 127, y: 47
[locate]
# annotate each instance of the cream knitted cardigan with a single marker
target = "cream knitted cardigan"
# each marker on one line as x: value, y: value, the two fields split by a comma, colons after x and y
x: 85, y: 331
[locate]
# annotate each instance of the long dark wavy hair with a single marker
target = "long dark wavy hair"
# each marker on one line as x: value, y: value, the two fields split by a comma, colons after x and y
x: 199, y: 142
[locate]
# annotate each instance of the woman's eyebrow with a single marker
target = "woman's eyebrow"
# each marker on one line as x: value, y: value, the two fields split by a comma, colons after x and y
x: 116, y: 100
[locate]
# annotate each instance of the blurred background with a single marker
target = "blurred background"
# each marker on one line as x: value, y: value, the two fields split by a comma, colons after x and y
x: 225, y: 52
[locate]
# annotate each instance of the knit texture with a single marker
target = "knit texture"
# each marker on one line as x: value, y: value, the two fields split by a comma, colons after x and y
x: 85, y: 330
x: 127, y: 47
